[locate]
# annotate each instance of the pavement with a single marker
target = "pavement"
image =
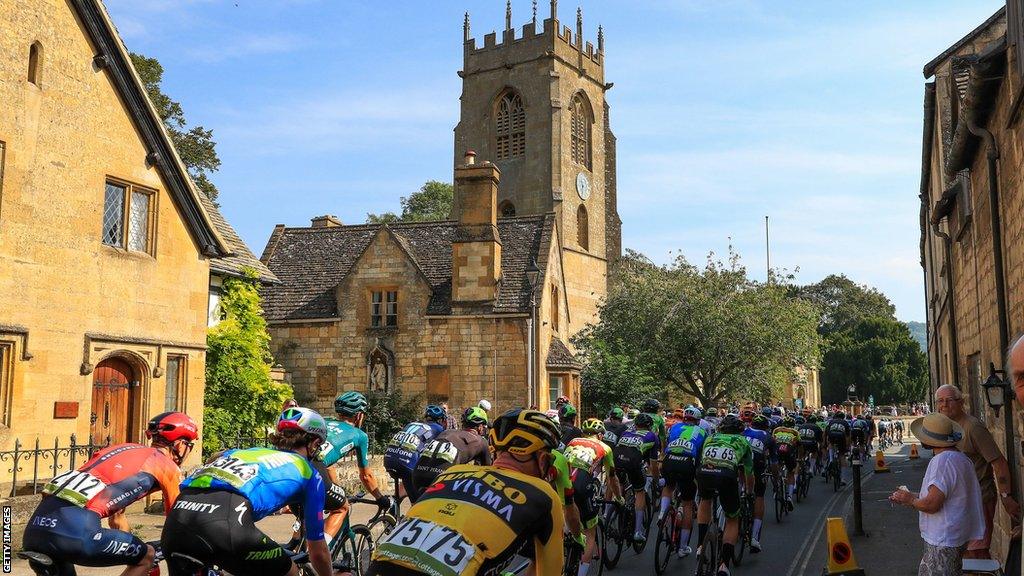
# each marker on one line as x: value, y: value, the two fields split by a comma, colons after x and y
x: 795, y: 547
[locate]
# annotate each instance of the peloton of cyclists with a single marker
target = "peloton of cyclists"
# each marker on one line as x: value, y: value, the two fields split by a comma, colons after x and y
x: 679, y: 469
x: 590, y: 460
x: 726, y: 462
x: 637, y: 446
x: 404, y: 449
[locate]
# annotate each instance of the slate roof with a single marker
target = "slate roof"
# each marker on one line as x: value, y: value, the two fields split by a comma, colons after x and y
x: 559, y: 356
x: 240, y: 257
x: 311, y: 262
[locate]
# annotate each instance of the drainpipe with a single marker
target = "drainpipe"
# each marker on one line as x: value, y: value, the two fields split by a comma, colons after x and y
x: 947, y: 243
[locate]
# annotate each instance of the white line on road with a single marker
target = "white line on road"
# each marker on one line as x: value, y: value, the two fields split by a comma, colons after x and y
x: 806, y: 551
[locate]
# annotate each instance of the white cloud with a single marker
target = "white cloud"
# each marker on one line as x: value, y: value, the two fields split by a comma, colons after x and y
x: 229, y: 48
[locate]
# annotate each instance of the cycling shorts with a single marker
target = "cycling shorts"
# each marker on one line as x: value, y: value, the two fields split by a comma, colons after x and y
x: 726, y: 486
x: 334, y: 495
x: 759, y: 484
x: 839, y: 441
x: 788, y: 459
x: 405, y: 477
x: 857, y: 436
x: 217, y: 527
x: 632, y: 476
x: 680, y: 473
x: 809, y: 446
x: 70, y: 534
x: 584, y: 493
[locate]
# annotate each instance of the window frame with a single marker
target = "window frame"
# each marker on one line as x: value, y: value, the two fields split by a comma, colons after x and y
x: 130, y: 190
x: 180, y: 386
x: 8, y: 356
x: 581, y: 131
x: 384, y: 307
x: 35, y: 64
x: 555, y: 391
x: 509, y: 126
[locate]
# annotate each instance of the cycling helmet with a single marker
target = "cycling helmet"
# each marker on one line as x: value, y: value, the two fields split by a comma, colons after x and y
x: 747, y: 416
x: 799, y: 420
x: 767, y: 411
x: 812, y: 419
x: 730, y: 425
x: 303, y: 419
x: 860, y: 417
x: 474, y: 416
x: 592, y: 426
x: 650, y: 406
x: 712, y: 411
x: 616, y: 414
x: 788, y: 422
x: 644, y: 420
x: 692, y: 413
x: 553, y: 414
x: 172, y: 426
x: 561, y: 400
x: 434, y: 413
x: 350, y: 403
x: 632, y: 413
x: 776, y: 411
x: 679, y: 413
x: 761, y: 422
x: 522, y: 432
x: 567, y: 411
x: 840, y: 416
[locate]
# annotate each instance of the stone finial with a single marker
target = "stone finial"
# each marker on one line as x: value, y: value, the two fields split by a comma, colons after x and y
x: 465, y: 28
x: 554, y: 9
x: 600, y: 39
x: 579, y: 27
x: 534, y: 12
x: 508, y: 14
x: 470, y: 157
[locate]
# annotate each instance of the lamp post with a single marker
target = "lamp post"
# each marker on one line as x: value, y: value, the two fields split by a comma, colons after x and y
x: 532, y: 277
x: 995, y: 388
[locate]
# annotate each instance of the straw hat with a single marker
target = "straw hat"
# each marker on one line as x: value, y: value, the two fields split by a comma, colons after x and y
x: 936, y: 430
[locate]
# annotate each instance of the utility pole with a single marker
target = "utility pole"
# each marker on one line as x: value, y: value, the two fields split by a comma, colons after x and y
x: 767, y: 252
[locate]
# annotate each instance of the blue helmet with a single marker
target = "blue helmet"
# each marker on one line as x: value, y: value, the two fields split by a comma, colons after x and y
x: 435, y: 413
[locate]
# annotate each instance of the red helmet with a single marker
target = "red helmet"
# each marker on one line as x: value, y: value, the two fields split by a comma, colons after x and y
x: 747, y: 416
x: 562, y: 400
x: 173, y: 426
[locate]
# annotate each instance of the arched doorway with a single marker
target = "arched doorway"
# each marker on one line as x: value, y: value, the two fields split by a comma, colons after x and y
x: 113, y: 382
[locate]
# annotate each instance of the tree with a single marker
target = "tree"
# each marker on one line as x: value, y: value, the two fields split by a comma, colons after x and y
x: 195, y: 145
x: 611, y: 377
x: 387, y: 413
x: 713, y: 332
x: 241, y: 398
x: 879, y: 357
x: 843, y: 303
x: 433, y: 201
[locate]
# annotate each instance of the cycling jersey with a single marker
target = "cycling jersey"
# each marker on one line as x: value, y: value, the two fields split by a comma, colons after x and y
x: 685, y: 441
x: 612, y: 431
x: 726, y: 454
x: 838, y: 428
x: 762, y: 445
x: 474, y: 520
x: 559, y: 477
x: 634, y: 448
x: 404, y: 448
x: 344, y: 438
x: 659, y: 426
x: 590, y: 454
x: 570, y: 433
x: 785, y: 439
x: 810, y: 435
x: 451, y: 447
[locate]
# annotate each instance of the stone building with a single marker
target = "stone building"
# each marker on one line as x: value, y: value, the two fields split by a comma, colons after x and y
x: 107, y: 251
x: 445, y: 308
x: 972, y: 221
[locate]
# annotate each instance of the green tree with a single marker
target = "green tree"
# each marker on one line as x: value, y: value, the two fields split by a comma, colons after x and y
x: 843, y: 302
x: 195, y: 144
x: 612, y: 377
x: 241, y: 399
x: 879, y: 357
x: 712, y: 332
x: 387, y: 413
x: 433, y: 201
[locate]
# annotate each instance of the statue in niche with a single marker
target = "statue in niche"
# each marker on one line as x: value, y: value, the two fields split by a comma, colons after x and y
x: 378, y: 372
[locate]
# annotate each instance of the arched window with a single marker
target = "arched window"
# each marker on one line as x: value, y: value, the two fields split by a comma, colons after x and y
x: 510, y: 126
x: 581, y: 121
x: 582, y: 228
x: 507, y: 209
x: 35, y: 57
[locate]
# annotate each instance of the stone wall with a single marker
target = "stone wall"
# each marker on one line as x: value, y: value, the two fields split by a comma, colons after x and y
x: 63, y: 138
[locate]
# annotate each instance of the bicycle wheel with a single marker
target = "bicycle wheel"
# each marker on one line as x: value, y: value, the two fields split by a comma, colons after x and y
x: 744, y: 537
x: 780, y: 501
x: 381, y: 527
x: 363, y: 546
x: 614, y: 538
x: 571, y: 567
x: 837, y: 476
x: 663, y: 548
x: 598, y: 561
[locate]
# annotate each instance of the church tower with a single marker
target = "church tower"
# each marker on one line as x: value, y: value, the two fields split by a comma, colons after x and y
x: 534, y: 104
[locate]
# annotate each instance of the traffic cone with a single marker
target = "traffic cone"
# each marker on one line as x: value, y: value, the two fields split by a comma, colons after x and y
x: 880, y: 462
x: 913, y: 452
x: 840, y: 553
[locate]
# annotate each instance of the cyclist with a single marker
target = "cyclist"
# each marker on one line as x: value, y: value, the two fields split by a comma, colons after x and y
x: 897, y: 426
x: 567, y: 420
x: 810, y: 441
x: 786, y: 447
x: 453, y: 447
x: 636, y: 447
x: 345, y: 436
x: 725, y: 462
x: 883, y: 432
x: 214, y: 519
x: 631, y: 415
x: 860, y: 431
x: 762, y: 446
x: 561, y: 401
x: 405, y: 446
x: 66, y: 524
x: 679, y: 469
x: 589, y: 458
x: 838, y: 436
x: 712, y: 418
x: 614, y: 426
x: 652, y: 407
x: 477, y: 518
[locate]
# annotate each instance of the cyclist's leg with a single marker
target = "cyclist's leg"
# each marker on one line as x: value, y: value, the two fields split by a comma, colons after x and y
x: 759, y: 489
x: 729, y: 497
x: 636, y: 479
x: 687, y: 491
x: 585, y: 490
x: 706, y: 487
x: 335, y: 503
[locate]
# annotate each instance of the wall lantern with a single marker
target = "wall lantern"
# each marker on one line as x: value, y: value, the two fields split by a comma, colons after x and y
x: 995, y: 388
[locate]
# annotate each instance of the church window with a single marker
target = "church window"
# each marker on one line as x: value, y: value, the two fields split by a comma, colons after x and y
x: 582, y: 228
x: 554, y: 308
x: 510, y: 126
x: 35, y: 56
x: 384, y: 309
x: 128, y: 217
x: 507, y: 209
x: 581, y: 122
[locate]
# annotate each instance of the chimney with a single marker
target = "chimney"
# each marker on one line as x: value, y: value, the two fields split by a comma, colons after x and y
x: 325, y: 221
x: 476, y: 248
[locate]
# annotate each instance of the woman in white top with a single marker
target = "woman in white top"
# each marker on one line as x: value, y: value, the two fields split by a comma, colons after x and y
x: 949, y: 504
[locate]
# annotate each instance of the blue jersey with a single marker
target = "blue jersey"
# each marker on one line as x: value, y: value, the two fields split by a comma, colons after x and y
x: 404, y: 449
x: 270, y: 479
x: 685, y: 440
x: 343, y: 438
x: 761, y: 443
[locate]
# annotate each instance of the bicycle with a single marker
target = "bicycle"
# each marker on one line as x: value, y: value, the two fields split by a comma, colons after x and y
x: 43, y: 565
x: 779, y: 494
x: 833, y: 471
x: 803, y: 479
x: 709, y: 555
x: 669, y: 529
x: 355, y: 543
x: 612, y: 527
x: 746, y: 532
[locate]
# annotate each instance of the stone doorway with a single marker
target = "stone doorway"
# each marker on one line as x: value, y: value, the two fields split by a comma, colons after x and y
x: 113, y: 384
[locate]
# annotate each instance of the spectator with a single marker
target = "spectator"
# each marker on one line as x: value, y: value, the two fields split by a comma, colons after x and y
x: 949, y: 503
x: 289, y: 403
x: 989, y: 464
x: 1016, y: 369
x: 449, y: 420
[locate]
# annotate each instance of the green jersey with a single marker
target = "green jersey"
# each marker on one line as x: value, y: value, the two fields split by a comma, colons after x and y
x: 727, y: 453
x: 559, y: 477
x: 659, y: 426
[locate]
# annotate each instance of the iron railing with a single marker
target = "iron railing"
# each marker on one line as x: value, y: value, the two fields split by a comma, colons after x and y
x: 46, y: 461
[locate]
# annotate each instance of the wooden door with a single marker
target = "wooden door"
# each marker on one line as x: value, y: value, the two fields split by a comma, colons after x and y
x: 112, y: 382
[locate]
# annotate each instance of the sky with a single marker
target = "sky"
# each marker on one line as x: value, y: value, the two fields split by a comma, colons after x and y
x: 726, y: 111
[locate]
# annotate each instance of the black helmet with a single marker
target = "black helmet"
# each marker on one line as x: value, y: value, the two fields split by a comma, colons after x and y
x: 730, y: 425
x: 523, y: 432
x: 840, y: 416
x: 650, y: 406
x: 644, y: 420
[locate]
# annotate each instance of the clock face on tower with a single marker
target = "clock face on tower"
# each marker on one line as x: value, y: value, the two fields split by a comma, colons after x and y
x: 583, y: 186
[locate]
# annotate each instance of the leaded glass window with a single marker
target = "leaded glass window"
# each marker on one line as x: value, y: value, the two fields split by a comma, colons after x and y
x: 113, y: 215
x: 128, y: 217
x: 580, y: 132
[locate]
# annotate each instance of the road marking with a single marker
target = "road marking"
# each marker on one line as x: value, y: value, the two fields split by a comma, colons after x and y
x: 806, y: 551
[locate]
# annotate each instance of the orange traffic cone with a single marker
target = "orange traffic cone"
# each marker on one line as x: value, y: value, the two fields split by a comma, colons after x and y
x: 840, y: 553
x: 880, y: 462
x: 913, y: 452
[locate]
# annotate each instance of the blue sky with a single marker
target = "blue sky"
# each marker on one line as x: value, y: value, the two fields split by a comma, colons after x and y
x: 725, y: 111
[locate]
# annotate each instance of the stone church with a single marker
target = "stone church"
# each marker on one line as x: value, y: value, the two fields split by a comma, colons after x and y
x: 483, y: 305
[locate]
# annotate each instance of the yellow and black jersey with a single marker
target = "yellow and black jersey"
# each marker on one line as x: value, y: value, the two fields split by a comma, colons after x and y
x: 472, y: 521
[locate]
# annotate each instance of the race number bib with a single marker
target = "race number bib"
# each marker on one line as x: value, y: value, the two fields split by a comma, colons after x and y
x: 581, y: 456
x: 720, y: 453
x: 807, y: 433
x: 75, y: 486
x: 756, y: 444
x: 230, y: 470
x: 442, y: 450
x: 428, y: 547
